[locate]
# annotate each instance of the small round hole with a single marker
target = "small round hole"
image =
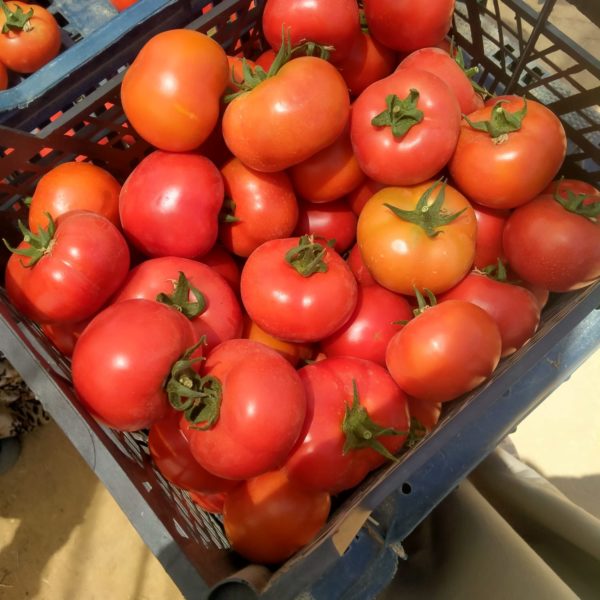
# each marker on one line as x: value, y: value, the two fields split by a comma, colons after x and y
x: 406, y: 488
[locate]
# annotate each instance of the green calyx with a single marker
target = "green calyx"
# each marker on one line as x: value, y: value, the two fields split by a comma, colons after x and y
x: 361, y: 431
x: 576, y: 203
x: 40, y: 244
x: 227, y: 214
x: 501, y: 123
x: 422, y: 304
x: 416, y: 434
x: 470, y: 72
x: 400, y: 115
x: 429, y: 216
x: 16, y: 20
x: 496, y: 272
x: 198, y: 398
x: 180, y: 298
x: 307, y: 257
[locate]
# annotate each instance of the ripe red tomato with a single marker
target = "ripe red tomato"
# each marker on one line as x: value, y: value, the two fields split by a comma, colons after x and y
x: 121, y: 5
x: 309, y: 294
x: 446, y: 351
x: 3, y: 77
x: 372, y: 325
x: 30, y: 36
x: 170, y: 205
x: 553, y: 246
x: 172, y: 90
x: 131, y: 347
x: 490, y: 227
x: 268, y: 518
x: 74, y: 271
x: 358, y: 197
x: 423, y: 248
x: 212, y: 503
x: 259, y: 207
x: 398, y: 24
x: 357, y: 417
x: 427, y: 413
x: 236, y: 71
x: 223, y: 263
x: 254, y: 430
x: 513, y: 165
x: 564, y: 186
x: 64, y: 336
x: 74, y: 186
x: 405, y: 127
x: 358, y: 267
x: 216, y: 314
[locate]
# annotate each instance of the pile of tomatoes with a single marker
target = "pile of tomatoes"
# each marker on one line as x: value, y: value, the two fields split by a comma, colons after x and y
x: 319, y: 252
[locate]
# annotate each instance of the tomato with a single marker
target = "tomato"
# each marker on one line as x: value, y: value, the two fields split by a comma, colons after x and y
x: 431, y: 248
x: 130, y: 347
x: 357, y: 417
x: 121, y: 5
x: 564, y: 186
x: 74, y: 186
x: 426, y: 413
x: 447, y: 350
x: 172, y: 90
x: 259, y: 207
x: 490, y: 227
x: 64, y: 336
x: 224, y: 264
x: 306, y: 106
x: 358, y: 267
x: 331, y: 221
x: 326, y: 22
x: 76, y: 266
x: 358, y: 197
x: 554, y: 246
x: 3, y: 77
x: 398, y: 25
x: 372, y: 325
x: 514, y: 308
x: 265, y: 60
x: 170, y: 205
x: 309, y: 293
x: 329, y: 174
x: 236, y: 71
x: 513, y: 165
x: 171, y: 454
x: 212, y: 503
x: 254, y: 430
x: 214, y: 147
x: 215, y: 314
x: 405, y: 127
x: 367, y: 62
x: 268, y: 518
x: 32, y: 39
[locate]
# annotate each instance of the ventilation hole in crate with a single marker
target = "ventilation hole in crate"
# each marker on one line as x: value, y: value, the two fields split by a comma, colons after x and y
x: 531, y: 75
x: 180, y: 530
x: 147, y: 486
x: 406, y: 488
x: 60, y: 19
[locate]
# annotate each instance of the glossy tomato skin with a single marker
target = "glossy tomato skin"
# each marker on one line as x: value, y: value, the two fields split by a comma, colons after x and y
x: 427, y: 413
x: 265, y: 60
x: 184, y: 72
x: 306, y: 106
x: 511, y: 172
x: 490, y: 227
x: 212, y: 503
x: 397, y: 25
x: 222, y: 318
x: 514, y: 308
x: 448, y: 350
x: 358, y: 267
x: 28, y: 50
x: 112, y: 354
x: 400, y: 255
x: 318, y: 462
x: 372, y: 325
x: 421, y: 152
x: 268, y: 518
x: 265, y: 206
x: 563, y: 186
x: 74, y: 186
x: 170, y: 203
x: 292, y: 307
x: 255, y: 430
x: 121, y: 5
x: 86, y: 264
x: 551, y: 247
x: 360, y: 195
x: 223, y: 263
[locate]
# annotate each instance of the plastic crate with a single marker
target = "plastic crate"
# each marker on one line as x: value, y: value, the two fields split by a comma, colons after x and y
x: 519, y: 50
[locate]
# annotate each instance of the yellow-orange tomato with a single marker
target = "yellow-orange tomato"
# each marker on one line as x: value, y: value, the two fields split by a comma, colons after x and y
x: 172, y: 90
x: 401, y: 254
x: 74, y: 186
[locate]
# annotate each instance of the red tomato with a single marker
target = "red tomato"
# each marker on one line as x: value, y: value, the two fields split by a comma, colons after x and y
x: 330, y: 221
x: 74, y: 186
x: 399, y: 25
x: 214, y: 147
x: 236, y: 71
x: 268, y: 518
x: 446, y: 351
x: 64, y: 336
x: 554, y: 247
x: 513, y: 166
x: 265, y: 60
x: 356, y: 418
x: 405, y: 127
x: 212, y: 503
x: 30, y: 36
x: 373, y: 324
x: 326, y: 22
x: 310, y: 291
x: 260, y: 207
x: 121, y: 5
x: 3, y: 77
x: 170, y: 205
x: 131, y: 347
x: 224, y: 264
x: 358, y: 197
x: 427, y: 413
x: 216, y: 314
x: 74, y: 272
x: 172, y: 90
x: 490, y: 226
x: 358, y: 267
x: 564, y: 186
x: 254, y: 430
